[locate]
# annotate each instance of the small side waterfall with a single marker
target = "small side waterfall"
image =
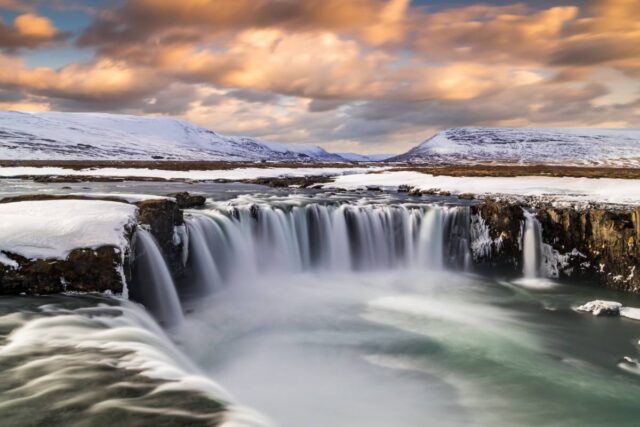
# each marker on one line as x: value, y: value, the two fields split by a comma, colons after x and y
x: 531, y: 246
x: 152, y: 284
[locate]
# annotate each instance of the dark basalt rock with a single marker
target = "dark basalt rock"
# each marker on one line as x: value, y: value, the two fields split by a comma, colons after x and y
x: 593, y: 244
x: 95, y: 270
x: 186, y: 200
x: 161, y: 216
x: 294, y: 181
x: 84, y: 270
x: 504, y: 221
x: 597, y: 244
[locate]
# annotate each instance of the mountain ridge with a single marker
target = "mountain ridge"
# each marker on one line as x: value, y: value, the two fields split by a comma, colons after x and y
x: 561, y: 146
x: 105, y: 136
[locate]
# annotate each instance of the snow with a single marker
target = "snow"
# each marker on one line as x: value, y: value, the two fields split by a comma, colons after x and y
x: 356, y: 157
x: 630, y: 312
x: 125, y: 197
x: 601, y: 307
x: 605, y: 190
x: 53, y: 228
x: 5, y: 260
x: 610, y: 308
x: 578, y: 147
x: 229, y: 174
x: 94, y: 136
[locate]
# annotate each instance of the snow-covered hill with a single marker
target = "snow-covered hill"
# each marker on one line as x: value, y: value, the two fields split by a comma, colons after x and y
x: 98, y: 136
x: 356, y: 157
x: 579, y: 147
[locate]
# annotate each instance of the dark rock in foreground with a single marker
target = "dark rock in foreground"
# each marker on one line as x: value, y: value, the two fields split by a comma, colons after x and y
x: 187, y: 201
x: 84, y: 270
x: 101, y: 269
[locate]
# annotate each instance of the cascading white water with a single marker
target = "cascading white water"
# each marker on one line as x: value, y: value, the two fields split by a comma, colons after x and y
x: 153, y: 285
x: 531, y: 246
x: 430, y: 243
x: 234, y: 242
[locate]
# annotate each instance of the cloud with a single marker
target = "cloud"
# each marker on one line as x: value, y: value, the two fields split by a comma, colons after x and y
x: 111, y: 83
x: 28, y: 31
x: 17, y: 5
x: 169, y: 21
x: 337, y: 72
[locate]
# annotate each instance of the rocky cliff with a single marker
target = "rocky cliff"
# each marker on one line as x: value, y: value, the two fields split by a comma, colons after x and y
x: 96, y: 269
x: 594, y: 244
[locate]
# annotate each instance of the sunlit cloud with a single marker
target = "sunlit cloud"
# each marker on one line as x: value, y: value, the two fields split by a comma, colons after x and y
x: 362, y: 73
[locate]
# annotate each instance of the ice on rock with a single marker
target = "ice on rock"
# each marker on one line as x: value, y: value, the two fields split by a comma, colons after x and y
x: 601, y: 308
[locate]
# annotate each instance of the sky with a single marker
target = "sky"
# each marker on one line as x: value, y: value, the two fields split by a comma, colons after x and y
x: 369, y: 76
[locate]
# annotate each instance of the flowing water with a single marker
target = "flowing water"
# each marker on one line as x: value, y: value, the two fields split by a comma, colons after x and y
x: 323, y: 310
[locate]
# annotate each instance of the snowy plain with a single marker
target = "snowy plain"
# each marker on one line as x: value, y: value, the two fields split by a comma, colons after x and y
x: 602, y: 190
x: 196, y: 175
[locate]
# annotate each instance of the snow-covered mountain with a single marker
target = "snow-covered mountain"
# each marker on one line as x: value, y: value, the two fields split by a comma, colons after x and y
x: 98, y: 136
x: 356, y: 157
x: 578, y: 147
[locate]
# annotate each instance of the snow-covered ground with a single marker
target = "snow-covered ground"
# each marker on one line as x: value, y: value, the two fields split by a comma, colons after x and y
x: 604, y: 190
x: 53, y: 228
x: 96, y: 136
x: 578, y: 147
x: 230, y: 174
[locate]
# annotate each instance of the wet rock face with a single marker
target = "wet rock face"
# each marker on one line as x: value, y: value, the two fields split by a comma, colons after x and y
x: 504, y: 222
x: 591, y: 244
x: 84, y: 270
x: 161, y: 216
x: 187, y: 201
x: 596, y: 244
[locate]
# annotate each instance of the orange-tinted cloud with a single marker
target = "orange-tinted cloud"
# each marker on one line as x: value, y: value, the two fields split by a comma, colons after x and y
x: 28, y: 31
x: 344, y: 70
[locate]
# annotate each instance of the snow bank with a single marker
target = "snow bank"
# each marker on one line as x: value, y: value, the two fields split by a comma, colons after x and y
x: 605, y: 190
x: 125, y: 197
x: 229, y: 174
x: 53, y: 228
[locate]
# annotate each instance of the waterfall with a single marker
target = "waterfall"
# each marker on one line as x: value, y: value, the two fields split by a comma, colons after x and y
x: 152, y: 284
x: 204, y: 242
x: 531, y: 246
x: 237, y: 242
x: 431, y: 241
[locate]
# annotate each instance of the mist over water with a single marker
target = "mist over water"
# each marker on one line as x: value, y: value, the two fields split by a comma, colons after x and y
x: 394, y: 331
x: 322, y: 310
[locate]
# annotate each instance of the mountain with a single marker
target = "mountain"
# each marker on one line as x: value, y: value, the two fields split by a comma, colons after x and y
x: 99, y: 136
x: 577, y: 147
x: 355, y: 157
